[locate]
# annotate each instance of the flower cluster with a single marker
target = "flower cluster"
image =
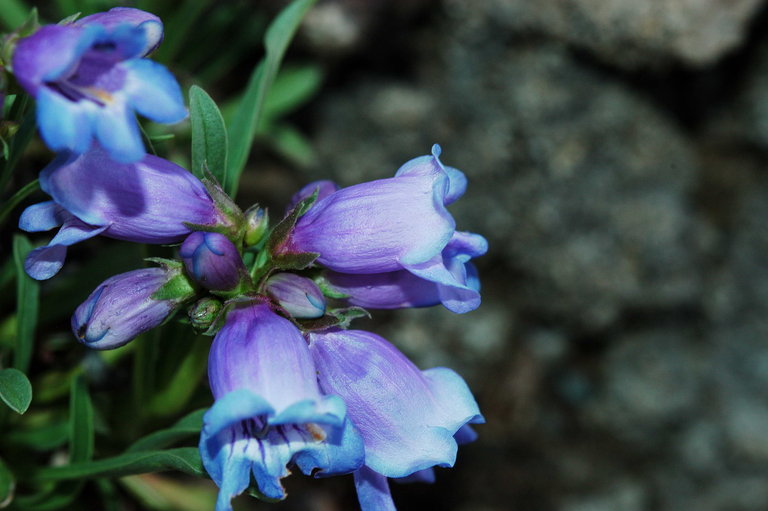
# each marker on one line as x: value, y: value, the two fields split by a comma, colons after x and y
x: 293, y: 385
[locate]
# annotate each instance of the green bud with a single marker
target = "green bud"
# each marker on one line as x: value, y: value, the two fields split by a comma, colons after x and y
x: 204, y: 312
x: 256, y: 224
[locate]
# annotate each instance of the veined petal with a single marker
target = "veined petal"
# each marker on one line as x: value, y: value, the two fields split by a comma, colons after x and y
x: 63, y: 124
x: 266, y: 354
x: 401, y: 413
x: 376, y: 227
x: 153, y: 91
x: 373, y: 491
x: 391, y: 290
x: 145, y: 202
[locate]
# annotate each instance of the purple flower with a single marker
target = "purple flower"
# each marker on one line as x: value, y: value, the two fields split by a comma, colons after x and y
x: 213, y: 261
x: 298, y: 295
x: 122, y: 307
x: 384, y: 238
x: 408, y: 418
x: 269, y: 411
x: 150, y: 201
x: 89, y: 77
x: 455, y: 283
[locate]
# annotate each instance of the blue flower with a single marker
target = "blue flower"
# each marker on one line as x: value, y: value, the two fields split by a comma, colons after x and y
x: 89, y: 77
x: 122, y: 308
x: 151, y: 201
x: 269, y: 412
x: 392, y: 243
x: 410, y: 420
x: 213, y: 261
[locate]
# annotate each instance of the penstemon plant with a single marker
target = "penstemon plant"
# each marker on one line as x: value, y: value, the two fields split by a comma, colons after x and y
x: 294, y: 387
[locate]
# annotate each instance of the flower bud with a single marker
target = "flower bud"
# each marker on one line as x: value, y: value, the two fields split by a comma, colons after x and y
x: 212, y: 260
x: 204, y: 312
x: 299, y: 296
x: 123, y: 307
x: 256, y: 223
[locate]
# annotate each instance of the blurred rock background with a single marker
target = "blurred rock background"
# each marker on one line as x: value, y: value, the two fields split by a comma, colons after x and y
x: 617, y: 154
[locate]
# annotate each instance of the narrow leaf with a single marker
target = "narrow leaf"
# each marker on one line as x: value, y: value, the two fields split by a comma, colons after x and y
x: 13, y: 13
x: 17, y: 197
x: 209, y: 135
x: 187, y: 426
x: 80, y: 421
x: 183, y: 459
x: 15, y: 390
x: 27, y: 298
x: 245, y: 123
x: 7, y: 485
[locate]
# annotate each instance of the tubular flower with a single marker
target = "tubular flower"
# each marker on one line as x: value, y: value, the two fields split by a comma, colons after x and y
x: 90, y: 76
x: 408, y: 418
x: 269, y: 411
x: 212, y: 260
x: 150, y: 201
x: 398, y: 226
x: 298, y: 295
x: 122, y: 307
x: 455, y: 283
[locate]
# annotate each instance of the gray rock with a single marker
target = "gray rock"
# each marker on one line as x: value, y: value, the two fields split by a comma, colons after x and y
x: 628, y: 33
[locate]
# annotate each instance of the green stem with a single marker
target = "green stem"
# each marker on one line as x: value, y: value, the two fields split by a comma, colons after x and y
x: 19, y: 196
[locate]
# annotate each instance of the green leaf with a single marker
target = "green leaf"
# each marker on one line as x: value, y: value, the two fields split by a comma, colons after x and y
x: 80, y: 422
x: 13, y: 13
x: 246, y: 122
x: 27, y: 298
x: 15, y: 390
x: 291, y: 144
x: 17, y: 197
x: 187, y: 426
x: 209, y: 135
x: 7, y: 485
x: 291, y: 89
x: 45, y: 438
x: 188, y: 373
x: 183, y: 459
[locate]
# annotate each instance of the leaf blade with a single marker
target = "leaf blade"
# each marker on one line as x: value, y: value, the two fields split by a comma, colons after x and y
x: 15, y: 390
x: 246, y: 121
x: 209, y: 135
x: 27, y: 304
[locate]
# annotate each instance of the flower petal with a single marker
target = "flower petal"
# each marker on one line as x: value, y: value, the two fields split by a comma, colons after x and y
x: 150, y: 24
x: 64, y: 124
x: 407, y: 418
x: 42, y: 216
x: 45, y: 262
x: 117, y: 130
x: 153, y: 91
x: 373, y: 491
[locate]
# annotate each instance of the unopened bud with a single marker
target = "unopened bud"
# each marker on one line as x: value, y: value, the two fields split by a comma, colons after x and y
x: 298, y: 295
x: 256, y: 224
x: 204, y: 312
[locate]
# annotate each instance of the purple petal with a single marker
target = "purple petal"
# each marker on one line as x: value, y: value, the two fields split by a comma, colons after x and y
x: 266, y: 354
x: 145, y: 202
x: 45, y: 262
x: 298, y: 295
x: 42, y: 216
x: 121, y: 308
x: 150, y: 24
x: 425, y: 165
x: 373, y: 491
x: 212, y: 260
x: 406, y: 418
x: 377, y: 226
x: 49, y: 53
x: 391, y: 290
x: 323, y: 187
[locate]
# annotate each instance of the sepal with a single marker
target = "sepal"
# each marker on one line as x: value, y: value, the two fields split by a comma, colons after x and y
x: 335, y: 318
x: 203, y: 313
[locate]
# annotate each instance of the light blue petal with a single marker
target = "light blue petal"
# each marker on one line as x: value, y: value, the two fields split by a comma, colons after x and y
x: 373, y: 491
x: 327, y: 410
x: 341, y: 452
x: 64, y: 124
x: 223, y: 458
x: 118, y: 131
x: 453, y: 398
x: 153, y: 91
x: 235, y: 406
x: 421, y: 476
x: 457, y: 184
x: 42, y: 216
x: 45, y: 262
